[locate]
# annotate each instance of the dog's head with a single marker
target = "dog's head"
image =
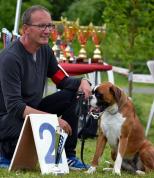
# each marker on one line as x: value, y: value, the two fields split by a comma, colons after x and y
x: 106, y: 95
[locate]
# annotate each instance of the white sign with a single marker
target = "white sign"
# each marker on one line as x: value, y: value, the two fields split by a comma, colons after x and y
x: 41, y: 132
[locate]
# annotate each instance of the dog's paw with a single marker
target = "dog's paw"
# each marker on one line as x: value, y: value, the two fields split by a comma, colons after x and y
x: 138, y: 172
x: 91, y: 170
x: 116, y: 171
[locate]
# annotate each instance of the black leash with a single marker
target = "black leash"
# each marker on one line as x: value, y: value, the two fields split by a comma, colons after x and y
x: 82, y: 111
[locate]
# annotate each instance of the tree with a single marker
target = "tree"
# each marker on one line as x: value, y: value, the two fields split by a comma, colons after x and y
x: 87, y: 11
x: 8, y: 10
x: 58, y: 7
x: 7, y: 14
x: 130, y: 30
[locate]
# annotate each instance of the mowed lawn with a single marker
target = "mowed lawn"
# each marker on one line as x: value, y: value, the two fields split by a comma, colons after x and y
x: 142, y: 103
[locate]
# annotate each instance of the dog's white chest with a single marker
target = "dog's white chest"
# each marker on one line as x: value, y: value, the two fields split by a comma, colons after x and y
x: 111, y: 127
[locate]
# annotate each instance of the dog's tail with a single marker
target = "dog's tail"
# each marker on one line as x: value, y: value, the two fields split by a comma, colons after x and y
x: 146, y: 154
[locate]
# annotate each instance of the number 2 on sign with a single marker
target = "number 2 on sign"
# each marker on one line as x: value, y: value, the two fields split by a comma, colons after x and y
x: 49, y: 158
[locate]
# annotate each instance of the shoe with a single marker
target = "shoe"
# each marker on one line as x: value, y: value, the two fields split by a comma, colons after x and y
x: 4, y: 163
x: 75, y: 164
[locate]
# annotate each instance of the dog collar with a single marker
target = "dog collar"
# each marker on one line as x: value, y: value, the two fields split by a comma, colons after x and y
x: 113, y: 109
x: 96, y: 115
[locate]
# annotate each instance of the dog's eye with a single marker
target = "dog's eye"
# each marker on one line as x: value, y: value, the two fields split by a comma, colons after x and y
x: 98, y: 95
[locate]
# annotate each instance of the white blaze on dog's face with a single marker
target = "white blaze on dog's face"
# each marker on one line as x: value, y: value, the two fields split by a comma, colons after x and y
x: 93, y: 99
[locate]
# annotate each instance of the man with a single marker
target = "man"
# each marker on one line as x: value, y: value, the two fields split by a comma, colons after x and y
x: 24, y: 66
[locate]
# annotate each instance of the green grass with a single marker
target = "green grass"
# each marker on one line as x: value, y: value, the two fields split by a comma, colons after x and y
x: 142, y: 103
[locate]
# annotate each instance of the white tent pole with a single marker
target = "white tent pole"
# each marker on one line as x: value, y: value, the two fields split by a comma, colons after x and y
x: 17, y: 18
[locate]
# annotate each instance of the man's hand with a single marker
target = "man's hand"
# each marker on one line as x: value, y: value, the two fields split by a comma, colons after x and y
x: 65, y: 126
x: 85, y: 88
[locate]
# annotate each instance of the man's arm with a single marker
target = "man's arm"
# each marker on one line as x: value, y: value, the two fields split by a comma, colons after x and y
x: 62, y: 123
x: 29, y: 110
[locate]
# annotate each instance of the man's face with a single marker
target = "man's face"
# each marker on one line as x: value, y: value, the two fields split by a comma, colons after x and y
x: 39, y: 29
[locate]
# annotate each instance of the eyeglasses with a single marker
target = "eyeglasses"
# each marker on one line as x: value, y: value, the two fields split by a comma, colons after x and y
x: 43, y: 27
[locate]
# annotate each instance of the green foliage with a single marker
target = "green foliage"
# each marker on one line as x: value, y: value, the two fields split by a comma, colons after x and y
x: 58, y: 7
x: 130, y: 30
x: 87, y: 11
x: 1, y: 45
x: 7, y: 14
x: 8, y: 11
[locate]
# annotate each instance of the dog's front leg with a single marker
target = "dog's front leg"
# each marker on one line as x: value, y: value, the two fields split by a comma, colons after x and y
x: 120, y: 153
x: 100, y: 145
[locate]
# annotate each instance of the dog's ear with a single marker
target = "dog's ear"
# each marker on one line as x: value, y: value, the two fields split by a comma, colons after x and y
x: 116, y: 92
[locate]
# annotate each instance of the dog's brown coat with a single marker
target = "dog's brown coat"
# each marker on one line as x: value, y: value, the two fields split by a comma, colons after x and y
x: 132, y: 139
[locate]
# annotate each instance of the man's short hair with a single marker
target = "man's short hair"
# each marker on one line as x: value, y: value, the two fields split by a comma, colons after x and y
x: 26, y: 17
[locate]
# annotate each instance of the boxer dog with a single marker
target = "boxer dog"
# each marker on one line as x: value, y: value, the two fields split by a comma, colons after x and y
x: 121, y: 128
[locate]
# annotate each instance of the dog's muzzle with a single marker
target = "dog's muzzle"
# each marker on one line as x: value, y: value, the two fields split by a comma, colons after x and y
x: 94, y: 108
x: 97, y: 105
